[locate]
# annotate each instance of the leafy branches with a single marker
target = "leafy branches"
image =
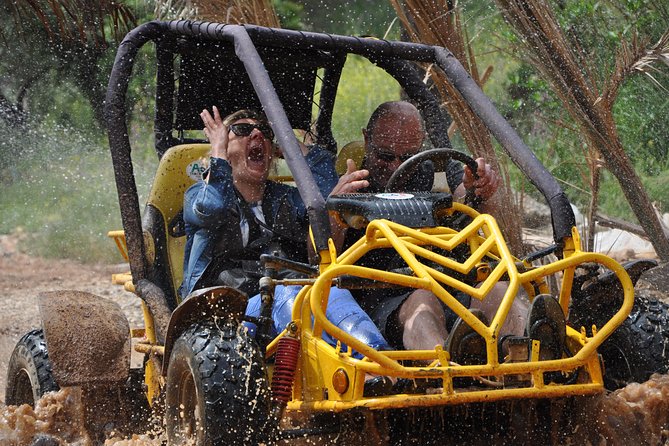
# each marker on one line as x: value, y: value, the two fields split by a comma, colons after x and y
x: 68, y: 37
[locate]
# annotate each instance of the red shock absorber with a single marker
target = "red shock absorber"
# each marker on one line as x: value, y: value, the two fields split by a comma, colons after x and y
x: 285, y: 363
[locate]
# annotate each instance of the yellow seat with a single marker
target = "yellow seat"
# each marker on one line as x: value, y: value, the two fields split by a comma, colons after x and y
x: 179, y: 168
x: 354, y: 150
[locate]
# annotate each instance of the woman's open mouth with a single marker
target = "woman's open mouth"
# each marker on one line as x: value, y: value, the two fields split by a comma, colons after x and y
x: 256, y: 158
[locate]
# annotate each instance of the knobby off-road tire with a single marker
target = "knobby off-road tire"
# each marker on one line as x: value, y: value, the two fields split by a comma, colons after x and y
x: 217, y: 390
x: 639, y: 347
x: 29, y: 374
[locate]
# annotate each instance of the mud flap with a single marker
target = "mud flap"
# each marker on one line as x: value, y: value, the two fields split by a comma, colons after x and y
x: 88, y: 338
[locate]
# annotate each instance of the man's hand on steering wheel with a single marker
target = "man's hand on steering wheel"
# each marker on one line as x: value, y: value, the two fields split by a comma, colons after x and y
x: 487, y: 183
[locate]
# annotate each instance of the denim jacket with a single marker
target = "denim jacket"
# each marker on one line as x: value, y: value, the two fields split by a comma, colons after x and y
x: 212, y: 212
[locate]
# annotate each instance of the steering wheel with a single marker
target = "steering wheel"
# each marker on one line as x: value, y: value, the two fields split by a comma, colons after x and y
x: 440, y: 159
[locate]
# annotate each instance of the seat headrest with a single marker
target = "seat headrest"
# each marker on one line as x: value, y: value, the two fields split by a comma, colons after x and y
x: 354, y: 150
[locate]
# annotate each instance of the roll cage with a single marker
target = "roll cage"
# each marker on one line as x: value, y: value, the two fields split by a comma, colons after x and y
x: 201, y: 64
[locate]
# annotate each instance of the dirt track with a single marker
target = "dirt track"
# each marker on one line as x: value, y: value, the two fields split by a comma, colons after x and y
x: 23, y: 277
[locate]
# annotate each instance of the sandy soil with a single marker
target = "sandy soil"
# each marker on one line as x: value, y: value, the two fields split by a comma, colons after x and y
x: 23, y: 277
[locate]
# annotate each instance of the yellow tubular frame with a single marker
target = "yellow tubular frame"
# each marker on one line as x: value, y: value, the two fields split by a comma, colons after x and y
x: 313, y: 388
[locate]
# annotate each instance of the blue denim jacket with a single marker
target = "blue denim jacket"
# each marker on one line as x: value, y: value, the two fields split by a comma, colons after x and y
x: 211, y: 210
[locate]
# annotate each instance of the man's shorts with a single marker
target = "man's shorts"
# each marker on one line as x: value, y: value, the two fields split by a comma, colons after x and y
x: 386, y: 316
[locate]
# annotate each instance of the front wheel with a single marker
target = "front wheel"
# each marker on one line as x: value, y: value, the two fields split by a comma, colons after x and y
x: 217, y: 390
x: 29, y: 374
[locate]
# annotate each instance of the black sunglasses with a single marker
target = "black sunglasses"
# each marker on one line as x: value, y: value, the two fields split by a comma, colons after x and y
x: 389, y: 157
x: 245, y: 129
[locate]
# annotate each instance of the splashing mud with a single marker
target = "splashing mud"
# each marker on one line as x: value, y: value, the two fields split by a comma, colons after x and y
x: 636, y: 414
x: 57, y: 415
x: 57, y: 420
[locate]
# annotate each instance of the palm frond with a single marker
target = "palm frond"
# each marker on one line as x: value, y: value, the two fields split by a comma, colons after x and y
x: 76, y: 20
x: 658, y: 53
x: 636, y: 57
x: 259, y: 12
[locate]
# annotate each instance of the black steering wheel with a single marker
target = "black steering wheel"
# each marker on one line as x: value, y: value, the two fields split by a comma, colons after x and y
x: 440, y: 159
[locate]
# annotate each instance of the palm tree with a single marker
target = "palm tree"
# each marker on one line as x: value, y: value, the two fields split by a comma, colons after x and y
x: 70, y: 36
x: 589, y: 102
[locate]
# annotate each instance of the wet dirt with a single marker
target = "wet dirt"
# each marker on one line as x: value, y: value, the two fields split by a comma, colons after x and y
x: 636, y: 414
x: 23, y: 277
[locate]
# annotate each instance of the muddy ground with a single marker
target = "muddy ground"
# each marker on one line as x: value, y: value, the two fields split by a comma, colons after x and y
x: 23, y: 277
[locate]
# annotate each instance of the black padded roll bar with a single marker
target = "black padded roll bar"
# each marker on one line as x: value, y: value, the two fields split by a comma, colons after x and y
x: 119, y: 143
x: 246, y: 38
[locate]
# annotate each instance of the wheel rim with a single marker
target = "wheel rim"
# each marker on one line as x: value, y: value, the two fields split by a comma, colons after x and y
x: 23, y: 389
x: 184, y: 414
x: 189, y: 419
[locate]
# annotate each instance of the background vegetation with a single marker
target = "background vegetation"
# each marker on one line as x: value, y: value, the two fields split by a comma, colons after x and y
x: 55, y: 171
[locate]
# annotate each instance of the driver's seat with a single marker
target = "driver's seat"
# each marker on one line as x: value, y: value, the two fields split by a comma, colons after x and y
x: 354, y: 150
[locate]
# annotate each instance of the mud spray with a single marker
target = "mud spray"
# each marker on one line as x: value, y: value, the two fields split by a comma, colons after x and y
x: 58, y: 420
x: 637, y: 414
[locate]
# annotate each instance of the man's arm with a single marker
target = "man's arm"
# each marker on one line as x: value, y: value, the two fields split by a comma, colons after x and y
x: 351, y: 182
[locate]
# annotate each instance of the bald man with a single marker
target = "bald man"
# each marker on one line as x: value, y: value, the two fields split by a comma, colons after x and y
x: 416, y: 319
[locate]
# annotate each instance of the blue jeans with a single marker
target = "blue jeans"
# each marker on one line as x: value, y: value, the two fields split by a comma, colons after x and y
x: 342, y: 311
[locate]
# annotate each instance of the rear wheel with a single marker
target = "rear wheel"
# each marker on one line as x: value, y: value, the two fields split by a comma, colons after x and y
x: 217, y: 389
x: 29, y: 374
x: 639, y: 347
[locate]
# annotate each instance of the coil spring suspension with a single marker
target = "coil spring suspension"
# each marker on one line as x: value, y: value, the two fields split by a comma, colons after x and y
x: 285, y: 363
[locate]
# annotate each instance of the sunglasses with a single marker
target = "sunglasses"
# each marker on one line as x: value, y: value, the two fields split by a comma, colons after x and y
x: 245, y: 129
x: 389, y: 157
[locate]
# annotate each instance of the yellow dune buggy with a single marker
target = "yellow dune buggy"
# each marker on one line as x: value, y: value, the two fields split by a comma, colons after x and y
x: 202, y: 372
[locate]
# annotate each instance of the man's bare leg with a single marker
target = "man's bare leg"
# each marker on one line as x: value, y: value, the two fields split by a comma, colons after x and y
x: 515, y: 320
x: 423, y: 321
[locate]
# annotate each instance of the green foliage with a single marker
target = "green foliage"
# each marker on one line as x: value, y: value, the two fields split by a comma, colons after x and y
x: 290, y: 14
x: 658, y: 187
x: 362, y: 88
x: 55, y: 169
x: 641, y: 116
x: 355, y: 17
x: 60, y: 190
